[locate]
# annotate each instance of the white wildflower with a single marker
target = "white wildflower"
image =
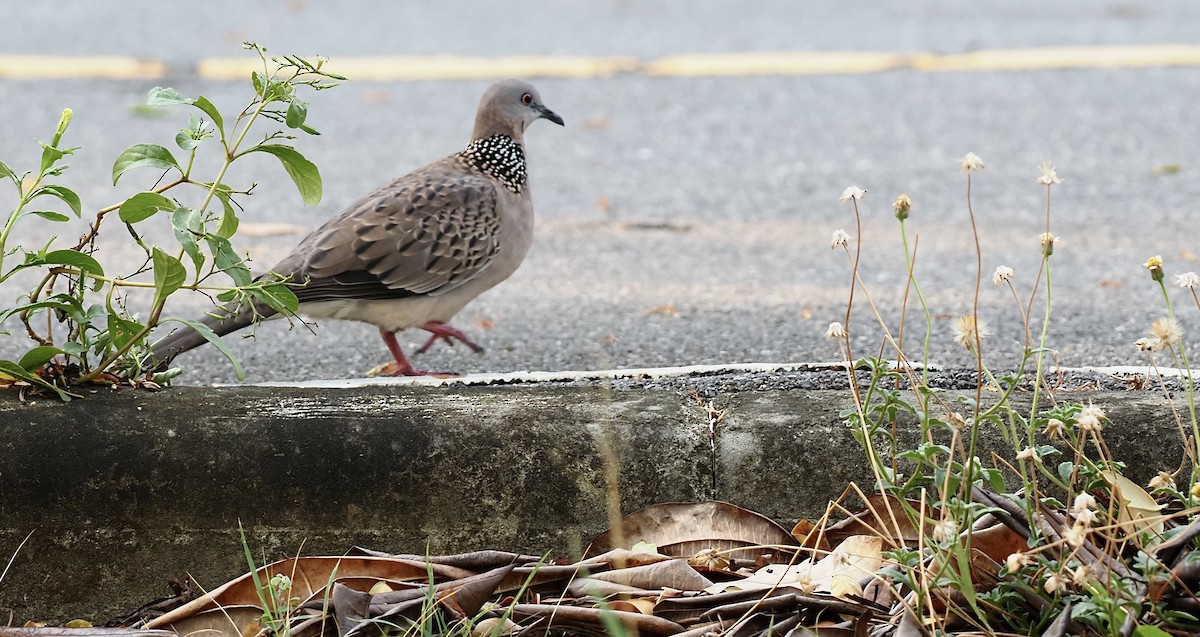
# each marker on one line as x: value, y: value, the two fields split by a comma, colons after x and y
x: 1167, y: 331
x: 1002, y: 275
x: 1055, y: 584
x: 945, y: 530
x: 1048, y: 177
x: 967, y: 330
x: 1075, y: 536
x: 1164, y: 480
x: 971, y: 161
x: 835, y: 331
x: 840, y: 239
x: 1187, y: 280
x: 1089, y: 419
x: 852, y: 193
x: 1083, y: 502
x: 1017, y: 561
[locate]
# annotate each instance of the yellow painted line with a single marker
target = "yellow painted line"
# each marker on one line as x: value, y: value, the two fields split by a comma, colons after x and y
x: 398, y: 68
x: 1063, y: 58
x: 393, y: 68
x: 60, y: 67
x: 778, y: 63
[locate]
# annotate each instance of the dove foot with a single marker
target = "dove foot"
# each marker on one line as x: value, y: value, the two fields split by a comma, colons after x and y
x: 447, y: 333
x: 401, y: 366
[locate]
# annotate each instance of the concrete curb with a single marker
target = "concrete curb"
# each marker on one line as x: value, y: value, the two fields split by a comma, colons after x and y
x: 126, y: 490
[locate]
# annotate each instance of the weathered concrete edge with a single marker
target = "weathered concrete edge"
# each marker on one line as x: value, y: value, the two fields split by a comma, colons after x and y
x: 127, y: 490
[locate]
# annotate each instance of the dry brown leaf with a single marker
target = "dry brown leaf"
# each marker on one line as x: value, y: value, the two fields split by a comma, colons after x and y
x: 1137, y: 510
x: 685, y: 529
x: 675, y: 574
x: 998, y: 542
x: 883, y: 517
x: 310, y: 576
x: 809, y: 536
x: 858, y: 557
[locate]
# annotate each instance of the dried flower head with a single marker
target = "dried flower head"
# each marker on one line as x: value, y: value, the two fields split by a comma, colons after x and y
x: 1029, y: 454
x: 835, y: 331
x: 1164, y: 480
x: 1188, y: 280
x: 840, y: 239
x: 1002, y: 275
x: 971, y: 162
x: 1083, y: 502
x: 1089, y: 419
x: 1076, y: 535
x: 1147, y: 345
x: 1054, y: 428
x: 1017, y: 561
x: 1082, y: 576
x: 1049, y: 177
x: 945, y: 530
x: 1166, y: 331
x: 1055, y: 583
x: 956, y: 420
x: 1047, y: 241
x: 903, y: 206
x: 1085, y: 518
x: 1155, y: 265
x: 852, y: 193
x: 968, y: 331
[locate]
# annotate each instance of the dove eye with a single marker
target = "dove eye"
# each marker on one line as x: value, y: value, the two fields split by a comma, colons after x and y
x: 526, y: 99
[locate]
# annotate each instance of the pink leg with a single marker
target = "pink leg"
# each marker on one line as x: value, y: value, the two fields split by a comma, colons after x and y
x: 444, y: 331
x: 403, y: 368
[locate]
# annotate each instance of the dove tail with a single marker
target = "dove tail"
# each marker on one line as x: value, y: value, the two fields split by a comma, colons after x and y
x: 185, y: 338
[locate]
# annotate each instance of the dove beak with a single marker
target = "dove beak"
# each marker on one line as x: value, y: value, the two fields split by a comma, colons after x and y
x: 545, y: 113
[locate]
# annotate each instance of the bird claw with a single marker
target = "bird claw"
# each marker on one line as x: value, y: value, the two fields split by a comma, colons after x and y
x: 445, y: 332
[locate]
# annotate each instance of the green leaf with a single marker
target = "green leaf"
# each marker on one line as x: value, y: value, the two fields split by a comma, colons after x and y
x: 5, y: 171
x: 67, y: 196
x: 143, y: 205
x: 212, y: 337
x: 137, y: 155
x: 185, y: 141
x: 35, y: 358
x: 16, y: 371
x: 121, y: 330
x: 259, y: 81
x: 297, y: 112
x: 227, y: 260
x: 169, y: 275
x: 188, y: 226
x: 229, y: 220
x: 1146, y: 630
x: 50, y: 216
x: 165, y: 96
x: 58, y: 303
x: 203, y: 104
x: 74, y: 258
x: 279, y: 297
x: 302, y: 171
x: 51, y: 155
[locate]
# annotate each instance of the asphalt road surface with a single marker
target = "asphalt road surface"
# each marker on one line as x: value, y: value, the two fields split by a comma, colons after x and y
x: 686, y: 219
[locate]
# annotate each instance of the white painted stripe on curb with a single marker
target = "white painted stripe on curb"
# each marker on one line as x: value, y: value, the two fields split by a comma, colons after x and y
x: 528, y: 377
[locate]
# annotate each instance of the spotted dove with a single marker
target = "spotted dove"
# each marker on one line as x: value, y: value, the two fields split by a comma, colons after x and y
x: 417, y: 250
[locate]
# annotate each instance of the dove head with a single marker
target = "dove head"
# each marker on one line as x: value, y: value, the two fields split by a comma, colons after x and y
x: 508, y: 107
